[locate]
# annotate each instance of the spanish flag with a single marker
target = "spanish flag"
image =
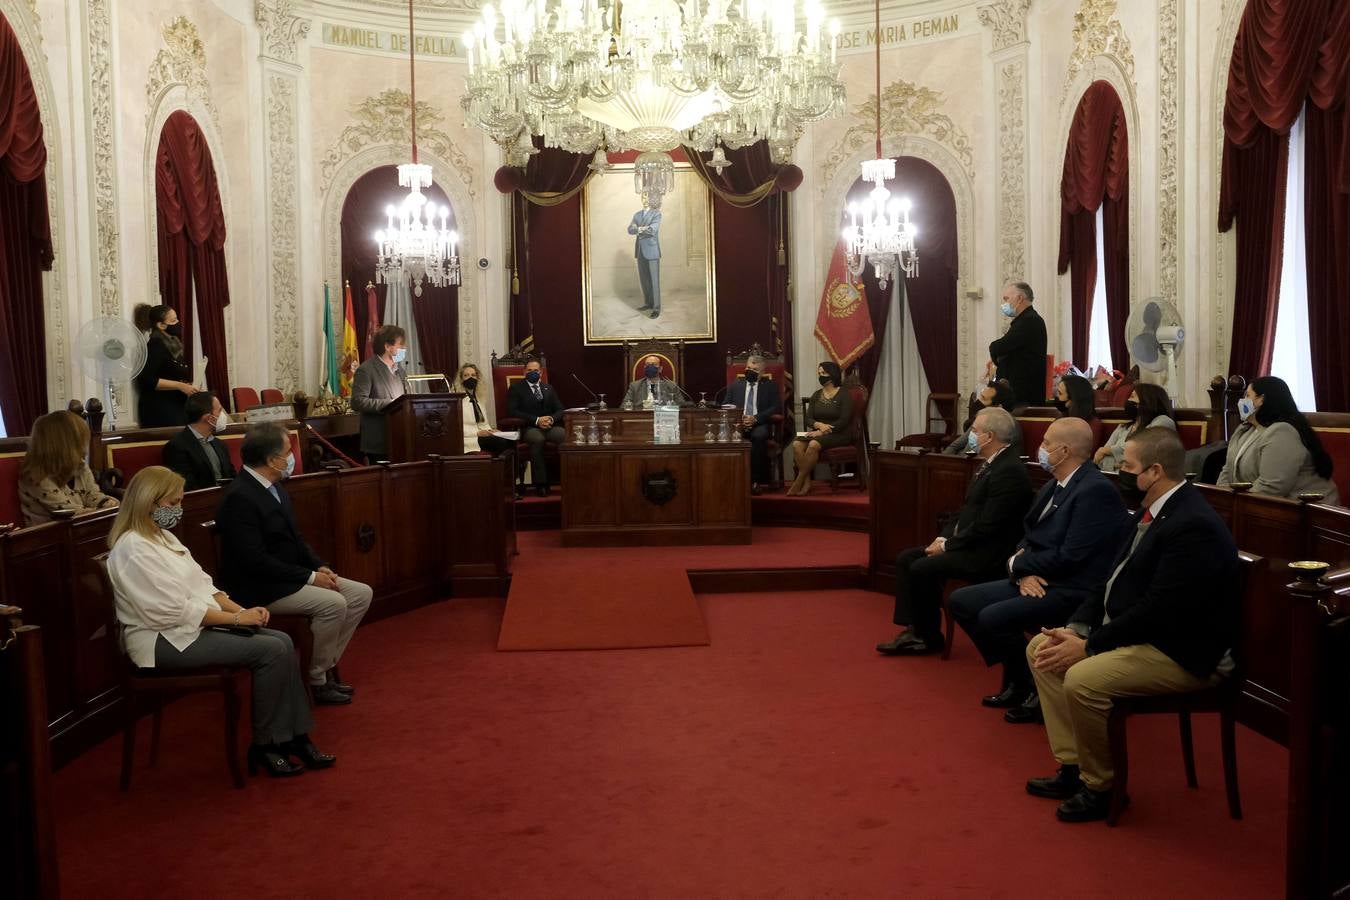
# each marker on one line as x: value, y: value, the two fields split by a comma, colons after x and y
x: 350, y: 357
x: 843, y: 323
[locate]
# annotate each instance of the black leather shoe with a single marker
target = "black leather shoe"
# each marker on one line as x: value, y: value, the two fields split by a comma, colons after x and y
x: 655, y: 314
x: 271, y: 759
x: 646, y: 307
x: 1061, y: 786
x: 340, y: 685
x: 1011, y: 695
x: 1028, y: 713
x: 919, y: 647
x: 892, y: 647
x: 327, y: 694
x: 1085, y: 806
x: 541, y: 490
x: 303, y: 749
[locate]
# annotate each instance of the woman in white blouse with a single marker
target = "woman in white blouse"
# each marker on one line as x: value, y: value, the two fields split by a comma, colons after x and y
x: 1148, y: 407
x: 173, y: 617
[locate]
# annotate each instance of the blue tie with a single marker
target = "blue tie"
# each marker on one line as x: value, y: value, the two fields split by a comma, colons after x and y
x: 276, y: 495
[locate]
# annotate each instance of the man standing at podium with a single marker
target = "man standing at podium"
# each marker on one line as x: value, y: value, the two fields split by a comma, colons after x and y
x: 651, y: 389
x: 379, y: 381
x: 541, y: 412
x: 758, y: 400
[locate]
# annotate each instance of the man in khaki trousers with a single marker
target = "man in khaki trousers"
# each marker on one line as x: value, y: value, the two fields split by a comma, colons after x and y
x: 1163, y: 623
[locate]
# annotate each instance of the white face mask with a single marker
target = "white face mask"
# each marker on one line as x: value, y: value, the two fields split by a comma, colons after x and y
x: 222, y: 421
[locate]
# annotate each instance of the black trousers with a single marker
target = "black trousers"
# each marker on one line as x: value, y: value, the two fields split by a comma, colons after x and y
x: 535, y: 437
x: 495, y: 445
x: 997, y: 618
x: 759, y: 453
x: 919, y: 581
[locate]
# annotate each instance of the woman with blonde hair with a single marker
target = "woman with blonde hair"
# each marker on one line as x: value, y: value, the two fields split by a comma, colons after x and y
x: 54, y: 475
x: 173, y: 617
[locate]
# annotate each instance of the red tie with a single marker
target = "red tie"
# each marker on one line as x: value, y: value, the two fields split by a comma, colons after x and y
x: 1148, y: 516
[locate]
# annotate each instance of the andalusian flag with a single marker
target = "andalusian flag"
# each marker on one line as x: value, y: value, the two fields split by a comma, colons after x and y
x: 328, y: 368
x: 350, y: 357
x: 843, y: 323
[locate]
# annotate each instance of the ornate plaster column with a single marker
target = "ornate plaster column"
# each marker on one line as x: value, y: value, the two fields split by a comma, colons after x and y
x: 282, y: 31
x: 1007, y: 20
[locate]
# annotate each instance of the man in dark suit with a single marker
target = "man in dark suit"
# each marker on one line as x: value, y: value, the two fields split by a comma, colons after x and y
x: 194, y: 452
x: 758, y: 400
x: 1072, y: 530
x: 264, y: 559
x: 537, y: 406
x: 1019, y: 355
x: 1162, y: 623
x: 973, y: 546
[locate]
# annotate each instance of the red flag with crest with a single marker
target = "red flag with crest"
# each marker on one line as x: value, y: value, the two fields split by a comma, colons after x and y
x: 843, y: 323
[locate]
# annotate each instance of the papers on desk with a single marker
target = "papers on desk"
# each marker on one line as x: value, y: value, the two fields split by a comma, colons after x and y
x: 509, y: 435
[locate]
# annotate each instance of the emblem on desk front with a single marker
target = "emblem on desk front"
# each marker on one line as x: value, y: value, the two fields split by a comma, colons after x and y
x: 433, y: 426
x: 659, y: 487
x: 365, y: 537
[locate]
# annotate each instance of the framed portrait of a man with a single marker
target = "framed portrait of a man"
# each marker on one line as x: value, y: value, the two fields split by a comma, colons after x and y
x: 647, y: 261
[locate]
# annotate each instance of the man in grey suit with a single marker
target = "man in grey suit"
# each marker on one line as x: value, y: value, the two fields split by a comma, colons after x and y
x: 646, y: 225
x: 379, y: 381
x: 651, y: 389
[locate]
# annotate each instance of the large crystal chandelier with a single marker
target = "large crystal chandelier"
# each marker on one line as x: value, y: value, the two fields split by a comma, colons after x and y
x: 413, y: 248
x: 650, y: 75
x: 880, y: 232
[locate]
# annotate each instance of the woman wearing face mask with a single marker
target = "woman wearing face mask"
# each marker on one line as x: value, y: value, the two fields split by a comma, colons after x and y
x: 830, y: 416
x: 1073, y: 397
x: 996, y: 393
x: 379, y: 381
x: 163, y: 385
x: 479, y: 432
x: 169, y: 611
x: 54, y: 475
x: 1275, y: 449
x: 1148, y: 407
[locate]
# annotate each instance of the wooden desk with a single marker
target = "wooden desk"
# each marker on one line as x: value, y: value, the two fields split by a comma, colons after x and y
x: 636, y: 424
x: 645, y: 494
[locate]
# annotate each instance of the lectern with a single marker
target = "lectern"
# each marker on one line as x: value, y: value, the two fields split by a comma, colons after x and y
x: 421, y: 424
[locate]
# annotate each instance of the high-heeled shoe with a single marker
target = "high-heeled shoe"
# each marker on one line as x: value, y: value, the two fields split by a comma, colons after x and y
x: 272, y: 760
x: 303, y: 749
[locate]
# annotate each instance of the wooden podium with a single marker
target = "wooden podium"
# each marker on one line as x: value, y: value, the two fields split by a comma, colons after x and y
x: 422, y: 424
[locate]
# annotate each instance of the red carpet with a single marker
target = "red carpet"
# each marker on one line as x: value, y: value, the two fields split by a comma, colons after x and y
x: 785, y: 760
x: 582, y: 606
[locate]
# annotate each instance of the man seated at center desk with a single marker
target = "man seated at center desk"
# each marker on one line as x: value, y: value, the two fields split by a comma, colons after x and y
x: 651, y: 389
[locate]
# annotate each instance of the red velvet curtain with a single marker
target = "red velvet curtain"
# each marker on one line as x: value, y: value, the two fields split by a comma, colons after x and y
x: 25, y: 241
x: 191, y: 241
x: 1097, y: 174
x: 931, y: 295
x: 437, y: 310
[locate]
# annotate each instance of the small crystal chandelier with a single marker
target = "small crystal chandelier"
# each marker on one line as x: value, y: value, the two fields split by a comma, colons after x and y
x: 881, y: 232
x: 653, y: 174
x: 413, y: 248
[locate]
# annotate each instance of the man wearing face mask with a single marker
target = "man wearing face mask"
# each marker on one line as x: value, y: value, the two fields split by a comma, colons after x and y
x: 973, y: 545
x: 1072, y: 529
x: 265, y: 560
x: 1019, y: 355
x: 652, y: 389
x: 994, y: 394
x: 194, y: 452
x: 537, y: 406
x: 379, y: 381
x: 758, y: 400
x: 1163, y: 622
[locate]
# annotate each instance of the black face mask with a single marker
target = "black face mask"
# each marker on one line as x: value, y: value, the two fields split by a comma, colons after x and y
x: 470, y: 384
x: 1062, y: 406
x: 1131, y: 410
x: 825, y: 380
x: 751, y: 376
x: 175, y: 329
x: 1130, y: 489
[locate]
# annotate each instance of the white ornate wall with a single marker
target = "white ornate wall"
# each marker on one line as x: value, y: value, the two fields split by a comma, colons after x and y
x: 294, y: 113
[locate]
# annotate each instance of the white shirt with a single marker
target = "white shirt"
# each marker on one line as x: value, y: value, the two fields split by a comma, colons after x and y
x: 159, y: 589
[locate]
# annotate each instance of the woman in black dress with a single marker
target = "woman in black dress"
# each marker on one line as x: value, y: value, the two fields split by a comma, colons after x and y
x: 162, y: 386
x: 831, y: 419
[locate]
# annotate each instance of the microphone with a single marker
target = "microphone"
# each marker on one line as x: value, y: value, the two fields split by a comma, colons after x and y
x: 594, y: 405
x: 682, y: 391
x: 722, y: 390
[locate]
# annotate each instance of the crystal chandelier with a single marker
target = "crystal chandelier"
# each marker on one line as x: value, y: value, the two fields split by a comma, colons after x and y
x: 650, y: 75
x: 413, y: 248
x: 881, y: 232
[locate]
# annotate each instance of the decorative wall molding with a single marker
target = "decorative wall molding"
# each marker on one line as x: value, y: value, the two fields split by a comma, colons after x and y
x: 385, y: 118
x: 1007, y: 19
x: 1011, y: 80
x: 1097, y: 33
x: 282, y: 29
x: 1223, y: 248
x: 1169, y: 147
x: 181, y: 61
x: 908, y: 109
x: 109, y: 265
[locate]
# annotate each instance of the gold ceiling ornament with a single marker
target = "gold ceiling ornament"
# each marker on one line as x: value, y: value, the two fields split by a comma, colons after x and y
x: 182, y: 60
x: 386, y: 118
x: 906, y: 108
x: 1096, y: 32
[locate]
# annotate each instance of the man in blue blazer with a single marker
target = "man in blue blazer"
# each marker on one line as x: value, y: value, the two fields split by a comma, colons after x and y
x: 758, y: 400
x: 646, y: 228
x: 1073, y: 529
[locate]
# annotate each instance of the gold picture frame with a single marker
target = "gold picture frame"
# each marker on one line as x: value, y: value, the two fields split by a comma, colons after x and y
x: 611, y: 289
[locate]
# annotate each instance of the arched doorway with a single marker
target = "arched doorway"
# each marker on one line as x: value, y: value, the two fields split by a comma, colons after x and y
x: 435, y: 314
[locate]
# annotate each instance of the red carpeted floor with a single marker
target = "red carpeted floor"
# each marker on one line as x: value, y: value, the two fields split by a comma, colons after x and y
x: 785, y: 760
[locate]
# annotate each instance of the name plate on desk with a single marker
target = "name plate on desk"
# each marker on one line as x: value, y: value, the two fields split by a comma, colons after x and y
x: 666, y: 424
x: 269, y: 412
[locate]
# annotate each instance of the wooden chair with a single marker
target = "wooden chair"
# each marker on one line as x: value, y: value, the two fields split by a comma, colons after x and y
x: 507, y: 369
x: 272, y: 395
x: 855, y: 453
x: 1221, y: 699
x: 942, y: 408
x: 162, y: 686
x: 775, y: 370
x: 670, y: 353
x: 244, y: 399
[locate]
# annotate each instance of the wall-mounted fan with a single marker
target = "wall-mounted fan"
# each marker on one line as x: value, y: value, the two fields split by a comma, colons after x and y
x: 111, y: 352
x: 1155, y: 333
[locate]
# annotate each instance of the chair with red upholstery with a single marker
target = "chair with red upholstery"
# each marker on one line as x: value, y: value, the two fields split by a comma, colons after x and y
x: 1033, y: 421
x: 272, y: 395
x: 234, y: 442
x: 507, y: 369
x: 245, y: 398
x: 853, y: 454
x: 11, y: 511
x: 1333, y: 430
x: 670, y: 353
x: 775, y: 370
